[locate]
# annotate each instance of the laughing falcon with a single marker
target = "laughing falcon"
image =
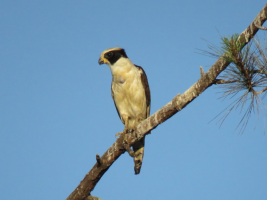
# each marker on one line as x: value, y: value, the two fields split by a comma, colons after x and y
x: 130, y: 93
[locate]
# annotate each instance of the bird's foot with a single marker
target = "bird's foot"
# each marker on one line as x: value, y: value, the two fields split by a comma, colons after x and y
x: 125, y: 143
x: 128, y: 149
x: 129, y: 130
x: 124, y: 132
x: 119, y: 134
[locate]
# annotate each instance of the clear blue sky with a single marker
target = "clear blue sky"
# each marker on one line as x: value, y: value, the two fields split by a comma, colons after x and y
x: 56, y: 110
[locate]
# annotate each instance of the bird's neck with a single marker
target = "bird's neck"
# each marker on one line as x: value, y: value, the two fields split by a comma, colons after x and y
x: 122, y: 66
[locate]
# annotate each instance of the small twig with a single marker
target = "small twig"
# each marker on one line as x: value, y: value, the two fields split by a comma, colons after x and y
x: 221, y: 81
x: 260, y: 27
x: 98, y: 159
x: 260, y: 92
x: 260, y: 72
x: 202, y: 71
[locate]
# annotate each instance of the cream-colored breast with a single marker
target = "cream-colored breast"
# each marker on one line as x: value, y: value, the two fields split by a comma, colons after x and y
x: 129, y: 93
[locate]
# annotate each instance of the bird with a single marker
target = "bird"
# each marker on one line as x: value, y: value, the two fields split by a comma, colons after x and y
x: 131, y: 95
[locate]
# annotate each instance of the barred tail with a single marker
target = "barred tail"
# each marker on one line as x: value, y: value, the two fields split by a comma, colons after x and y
x: 138, y: 148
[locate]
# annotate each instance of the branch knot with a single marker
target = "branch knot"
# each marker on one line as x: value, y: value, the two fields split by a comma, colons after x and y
x: 175, y: 103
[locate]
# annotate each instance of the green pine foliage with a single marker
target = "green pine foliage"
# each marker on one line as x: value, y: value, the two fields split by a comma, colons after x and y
x: 245, y: 77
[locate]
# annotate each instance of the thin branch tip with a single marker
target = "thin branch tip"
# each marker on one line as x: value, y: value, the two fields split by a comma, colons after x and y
x: 202, y: 73
x: 221, y: 81
x: 98, y: 160
x: 260, y: 92
x: 260, y: 27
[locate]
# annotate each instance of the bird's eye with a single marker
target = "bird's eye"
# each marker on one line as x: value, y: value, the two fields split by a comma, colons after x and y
x: 110, y: 54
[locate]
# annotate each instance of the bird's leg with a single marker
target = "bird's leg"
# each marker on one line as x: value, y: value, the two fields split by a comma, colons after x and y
x: 128, y: 148
x: 138, y: 120
x: 126, y: 130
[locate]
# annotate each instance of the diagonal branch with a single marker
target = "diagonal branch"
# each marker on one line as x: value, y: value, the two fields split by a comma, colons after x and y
x: 178, y: 103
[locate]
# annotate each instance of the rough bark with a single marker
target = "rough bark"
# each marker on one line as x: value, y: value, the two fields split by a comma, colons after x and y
x: 178, y: 103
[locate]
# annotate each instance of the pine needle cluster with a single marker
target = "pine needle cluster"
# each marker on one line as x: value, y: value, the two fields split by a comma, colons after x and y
x: 245, y: 77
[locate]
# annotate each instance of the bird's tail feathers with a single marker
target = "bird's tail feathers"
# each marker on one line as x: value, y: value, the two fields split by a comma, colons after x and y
x: 138, y: 148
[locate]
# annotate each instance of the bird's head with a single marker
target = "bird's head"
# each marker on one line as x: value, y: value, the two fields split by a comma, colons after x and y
x: 111, y: 56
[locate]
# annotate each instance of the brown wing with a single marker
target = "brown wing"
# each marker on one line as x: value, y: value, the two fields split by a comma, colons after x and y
x: 147, y: 90
x: 112, y: 94
x: 138, y: 147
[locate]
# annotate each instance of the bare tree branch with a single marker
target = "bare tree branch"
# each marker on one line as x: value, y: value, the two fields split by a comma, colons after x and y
x: 179, y: 102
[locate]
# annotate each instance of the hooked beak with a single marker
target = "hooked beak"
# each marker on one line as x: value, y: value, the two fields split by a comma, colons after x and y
x: 100, y: 61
